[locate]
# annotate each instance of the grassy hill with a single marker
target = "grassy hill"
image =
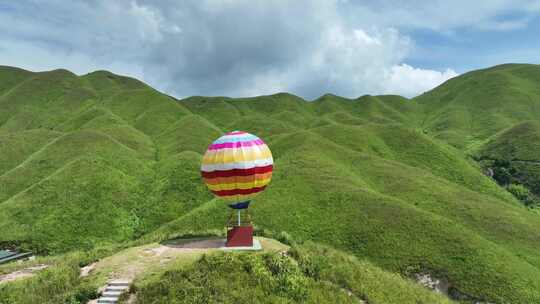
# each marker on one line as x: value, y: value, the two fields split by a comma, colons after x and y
x: 469, y: 109
x: 308, y: 273
x: 101, y: 159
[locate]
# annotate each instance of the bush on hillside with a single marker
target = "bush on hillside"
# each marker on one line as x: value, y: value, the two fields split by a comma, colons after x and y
x: 516, y: 182
x: 309, y: 273
x: 519, y: 191
x: 523, y: 194
x: 503, y: 171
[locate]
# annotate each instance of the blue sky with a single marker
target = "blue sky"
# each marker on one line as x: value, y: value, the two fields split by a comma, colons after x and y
x: 248, y: 47
x: 473, y: 49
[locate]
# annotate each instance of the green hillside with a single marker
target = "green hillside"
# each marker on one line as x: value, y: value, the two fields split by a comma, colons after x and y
x: 308, y: 273
x: 102, y: 159
x: 470, y: 108
x: 514, y: 156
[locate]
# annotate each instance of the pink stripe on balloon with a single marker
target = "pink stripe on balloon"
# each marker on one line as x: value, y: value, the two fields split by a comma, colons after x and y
x: 239, y: 144
x: 236, y: 133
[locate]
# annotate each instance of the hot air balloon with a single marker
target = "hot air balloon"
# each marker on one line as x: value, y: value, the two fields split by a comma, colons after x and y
x: 236, y: 167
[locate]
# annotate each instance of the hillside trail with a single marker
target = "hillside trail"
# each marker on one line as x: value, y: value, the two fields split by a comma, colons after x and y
x: 22, y: 273
x: 133, y: 263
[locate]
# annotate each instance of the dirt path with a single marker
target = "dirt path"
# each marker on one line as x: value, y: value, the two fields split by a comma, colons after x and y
x: 132, y: 262
x: 23, y: 273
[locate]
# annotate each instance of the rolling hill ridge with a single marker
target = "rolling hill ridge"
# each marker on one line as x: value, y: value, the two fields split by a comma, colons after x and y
x: 102, y: 159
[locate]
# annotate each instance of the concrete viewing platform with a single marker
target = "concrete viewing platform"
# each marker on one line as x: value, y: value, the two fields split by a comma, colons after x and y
x: 256, y: 246
x: 216, y: 244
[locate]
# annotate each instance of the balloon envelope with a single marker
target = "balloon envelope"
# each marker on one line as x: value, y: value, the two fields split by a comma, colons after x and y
x: 237, y: 166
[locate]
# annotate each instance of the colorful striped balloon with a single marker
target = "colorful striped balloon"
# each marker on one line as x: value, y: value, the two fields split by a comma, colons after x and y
x: 237, y: 166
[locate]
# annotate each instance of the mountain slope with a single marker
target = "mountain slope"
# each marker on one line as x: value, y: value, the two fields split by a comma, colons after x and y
x: 470, y: 108
x: 105, y: 159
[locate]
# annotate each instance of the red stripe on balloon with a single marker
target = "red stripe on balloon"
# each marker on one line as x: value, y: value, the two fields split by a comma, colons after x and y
x: 238, y: 191
x: 237, y: 172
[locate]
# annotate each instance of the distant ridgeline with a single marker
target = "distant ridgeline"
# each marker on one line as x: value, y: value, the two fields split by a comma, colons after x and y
x: 443, y: 184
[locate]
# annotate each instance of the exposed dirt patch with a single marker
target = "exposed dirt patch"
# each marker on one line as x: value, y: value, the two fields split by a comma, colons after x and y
x: 85, y: 271
x: 20, y: 274
x: 352, y: 295
x: 439, y: 285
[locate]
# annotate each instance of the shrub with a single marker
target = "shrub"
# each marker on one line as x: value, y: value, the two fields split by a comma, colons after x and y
x: 519, y: 191
x: 502, y: 176
x: 291, y: 281
x: 86, y: 292
x: 523, y: 194
x: 503, y: 171
x: 285, y: 238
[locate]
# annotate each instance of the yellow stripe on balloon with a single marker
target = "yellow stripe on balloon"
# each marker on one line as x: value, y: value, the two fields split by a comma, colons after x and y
x: 238, y: 197
x: 237, y: 179
x: 232, y: 186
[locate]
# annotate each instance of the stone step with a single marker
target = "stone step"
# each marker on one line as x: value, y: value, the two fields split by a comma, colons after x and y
x: 112, y: 293
x: 118, y: 283
x: 116, y: 288
x: 108, y: 300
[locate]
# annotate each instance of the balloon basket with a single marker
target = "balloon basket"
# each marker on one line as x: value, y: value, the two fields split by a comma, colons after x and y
x: 239, y: 229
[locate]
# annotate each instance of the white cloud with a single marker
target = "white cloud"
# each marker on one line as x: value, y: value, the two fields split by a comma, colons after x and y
x: 148, y: 22
x: 234, y: 47
x: 408, y: 81
x: 352, y: 64
x: 361, y: 35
